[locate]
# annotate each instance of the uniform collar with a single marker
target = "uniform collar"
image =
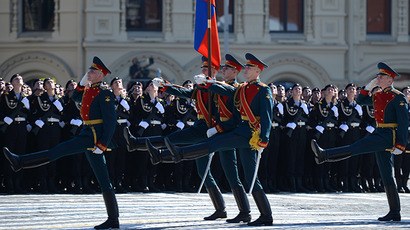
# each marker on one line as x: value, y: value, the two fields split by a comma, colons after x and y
x: 388, y: 89
x: 254, y: 81
x: 96, y: 84
x: 231, y: 82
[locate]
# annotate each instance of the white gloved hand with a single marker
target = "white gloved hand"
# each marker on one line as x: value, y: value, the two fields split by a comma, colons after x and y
x: 200, y: 79
x: 25, y: 102
x: 163, y: 126
x: 371, y: 85
x: 62, y: 124
x: 370, y: 129
x: 291, y: 125
x: 76, y: 122
x: 280, y: 108
x: 158, y: 82
x: 125, y: 104
x: 8, y: 120
x: 97, y: 150
x: 39, y: 123
x: 58, y: 105
x: 128, y: 123
x: 84, y: 81
x: 335, y: 111
x: 143, y: 124
x: 29, y: 127
x: 210, y: 132
x: 396, y: 151
x: 320, y: 128
x: 359, y: 109
x: 344, y: 127
x: 160, y: 107
x: 180, y: 125
x: 305, y: 108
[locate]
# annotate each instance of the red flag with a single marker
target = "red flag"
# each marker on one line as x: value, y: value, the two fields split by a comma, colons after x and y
x: 201, y: 31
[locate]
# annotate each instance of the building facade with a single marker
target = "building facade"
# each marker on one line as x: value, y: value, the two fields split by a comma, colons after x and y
x: 312, y: 42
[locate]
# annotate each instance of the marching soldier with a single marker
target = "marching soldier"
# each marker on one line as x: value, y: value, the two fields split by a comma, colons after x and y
x: 98, y: 114
x: 295, y: 117
x: 390, y: 137
x: 116, y: 158
x: 14, y: 112
x: 324, y: 117
x: 254, y: 101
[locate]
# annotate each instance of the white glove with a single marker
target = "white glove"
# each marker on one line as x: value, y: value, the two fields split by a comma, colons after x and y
x: 39, y: 123
x: 180, y: 125
x: 124, y: 104
x: 128, y: 123
x: 160, y: 107
x: 280, y: 108
x: 84, y: 81
x: 210, y: 132
x: 76, y: 122
x: 29, y: 127
x: 305, y: 108
x: 396, y: 151
x: 370, y: 129
x: 291, y: 125
x: 163, y: 126
x: 62, y: 124
x: 200, y: 79
x: 320, y: 128
x: 158, y: 82
x: 359, y: 110
x: 344, y: 127
x: 335, y: 111
x: 58, y: 105
x: 8, y: 120
x: 143, y: 124
x: 97, y: 150
x: 25, y: 102
x: 371, y: 85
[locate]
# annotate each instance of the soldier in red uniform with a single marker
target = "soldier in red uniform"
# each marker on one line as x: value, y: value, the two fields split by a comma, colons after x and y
x: 99, y: 120
x: 390, y: 137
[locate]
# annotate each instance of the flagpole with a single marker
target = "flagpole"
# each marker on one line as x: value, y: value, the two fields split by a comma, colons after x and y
x: 209, y: 63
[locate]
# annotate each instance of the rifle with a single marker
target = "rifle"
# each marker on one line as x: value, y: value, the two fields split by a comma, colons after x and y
x: 295, y: 120
x: 350, y: 120
x: 44, y: 119
x: 12, y: 116
x: 153, y: 114
x: 328, y: 119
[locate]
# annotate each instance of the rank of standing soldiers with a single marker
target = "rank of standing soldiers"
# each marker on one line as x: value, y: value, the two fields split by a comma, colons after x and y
x: 38, y: 117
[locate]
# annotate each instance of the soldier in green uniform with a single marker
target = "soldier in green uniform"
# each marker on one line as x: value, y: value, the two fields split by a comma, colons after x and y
x: 99, y: 120
x: 253, y: 100
x: 391, y: 113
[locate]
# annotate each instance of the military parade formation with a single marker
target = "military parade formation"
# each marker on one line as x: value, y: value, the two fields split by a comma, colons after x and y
x: 233, y: 137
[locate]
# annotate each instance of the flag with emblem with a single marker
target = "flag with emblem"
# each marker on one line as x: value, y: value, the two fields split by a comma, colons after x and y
x: 201, y: 42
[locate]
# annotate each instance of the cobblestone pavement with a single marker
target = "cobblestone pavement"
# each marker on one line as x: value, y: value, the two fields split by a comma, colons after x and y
x: 186, y: 210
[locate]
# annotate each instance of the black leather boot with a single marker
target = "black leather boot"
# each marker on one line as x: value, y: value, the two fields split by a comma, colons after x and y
x: 292, y: 184
x: 138, y: 143
x: 394, y: 204
x: 354, y: 186
x: 158, y: 155
x: 300, y: 187
x: 263, y: 205
x: 404, y: 184
x: 218, y: 202
x: 86, y: 189
x: 243, y: 206
x: 112, y: 211
x: 329, y: 155
x: 189, y: 152
x: 31, y: 160
x: 399, y: 184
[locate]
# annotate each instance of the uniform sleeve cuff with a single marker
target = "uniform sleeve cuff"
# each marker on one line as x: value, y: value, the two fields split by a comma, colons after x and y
x: 399, y: 146
x: 101, y: 146
x: 262, y: 144
x: 364, y: 92
x: 163, y: 89
x: 80, y: 88
x: 219, y: 128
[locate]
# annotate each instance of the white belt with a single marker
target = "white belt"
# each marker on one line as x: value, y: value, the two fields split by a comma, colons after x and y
x: 354, y: 124
x: 274, y: 124
x: 301, y: 123
x: 330, y: 125
x: 155, y: 122
x: 190, y: 123
x: 52, y: 119
x: 20, y: 119
x: 121, y: 121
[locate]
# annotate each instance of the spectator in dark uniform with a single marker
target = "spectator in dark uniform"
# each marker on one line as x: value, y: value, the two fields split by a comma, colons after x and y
x: 14, y: 111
